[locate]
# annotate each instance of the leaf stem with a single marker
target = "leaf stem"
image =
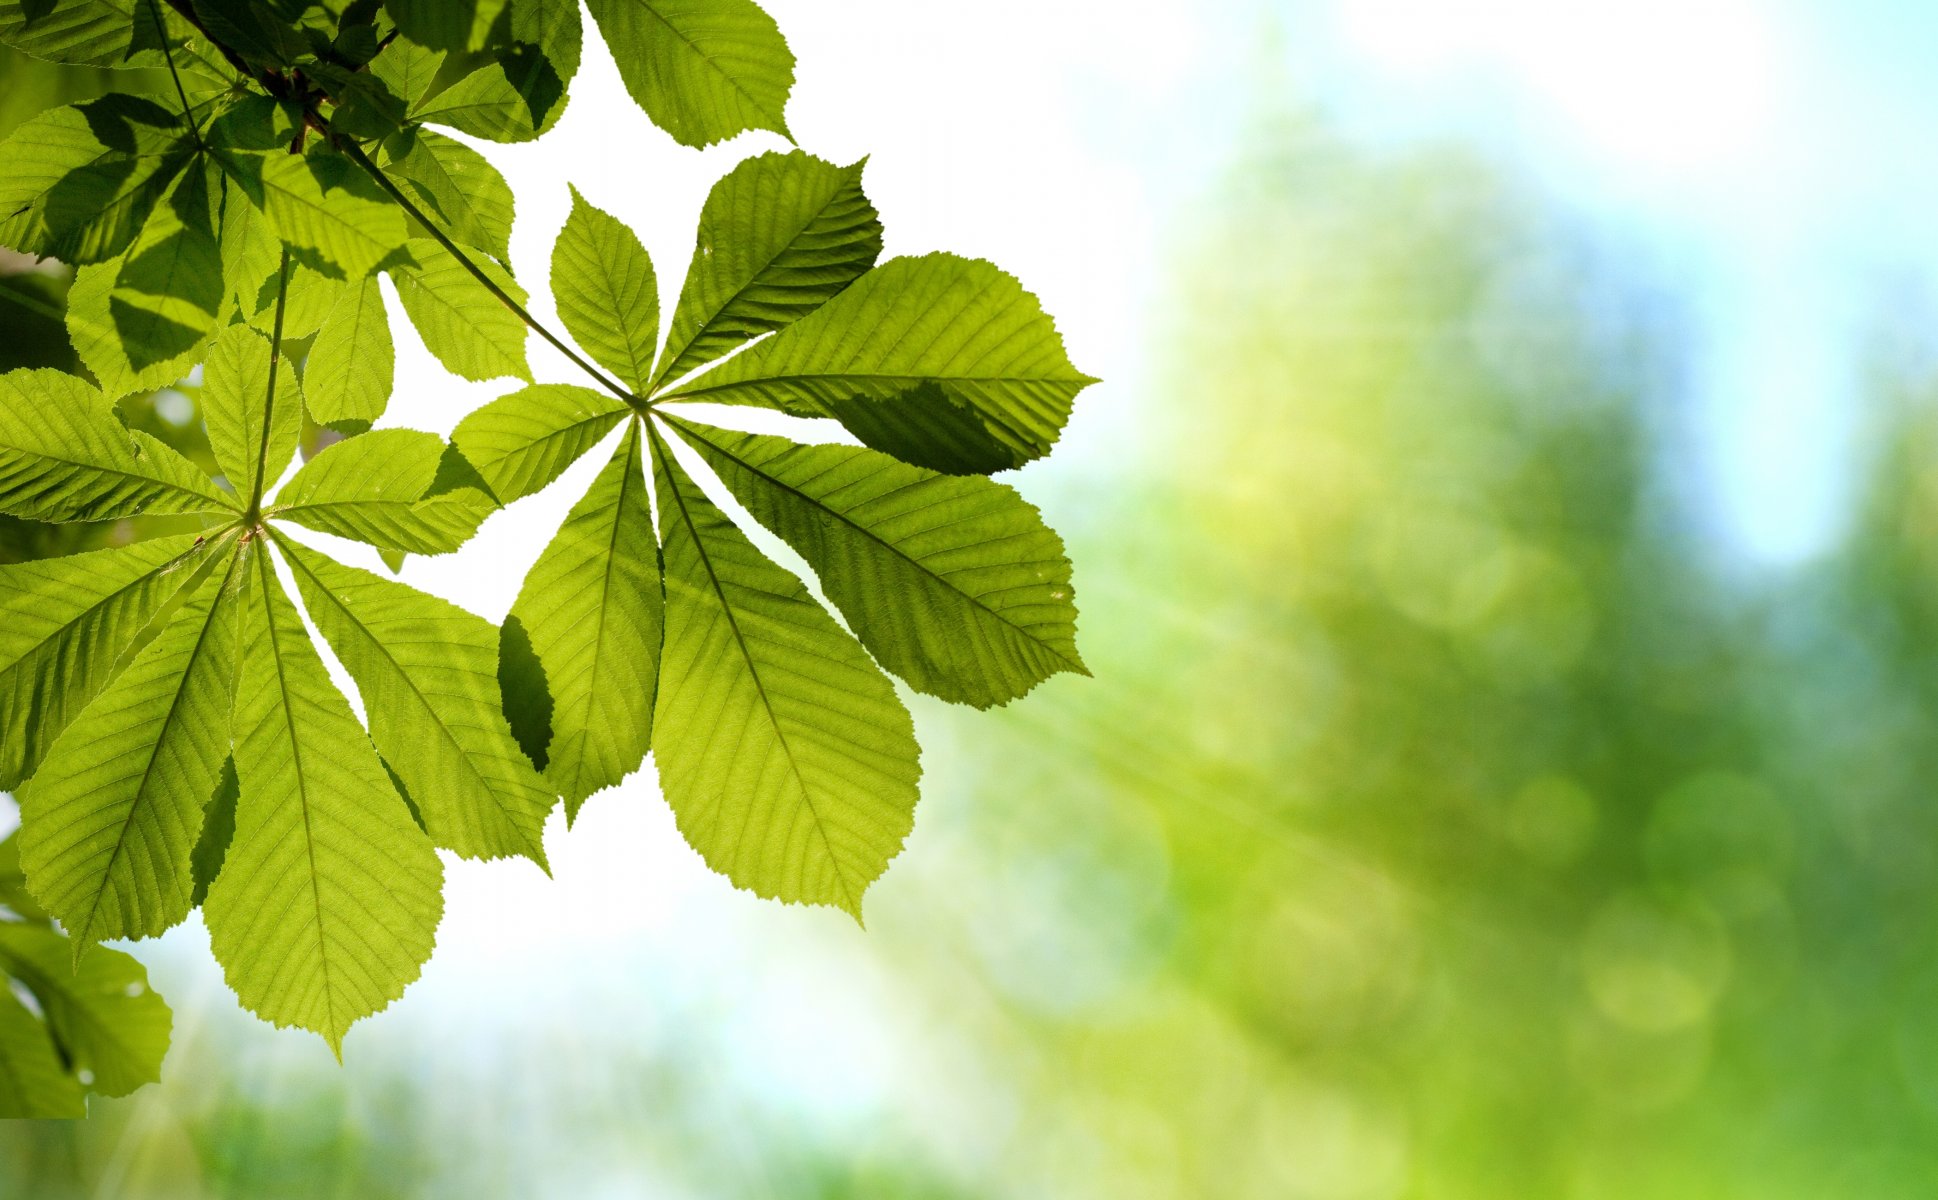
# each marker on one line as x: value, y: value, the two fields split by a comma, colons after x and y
x: 357, y: 156
x: 188, y: 111
x: 269, y: 399
x: 33, y: 304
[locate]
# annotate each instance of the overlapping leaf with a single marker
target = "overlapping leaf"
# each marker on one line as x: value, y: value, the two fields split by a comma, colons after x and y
x: 98, y: 1022
x: 782, y: 748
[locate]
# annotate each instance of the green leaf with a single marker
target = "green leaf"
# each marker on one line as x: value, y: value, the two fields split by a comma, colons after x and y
x: 779, y: 236
x: 458, y: 185
x: 110, y: 821
x: 14, y: 895
x: 463, y: 325
x: 445, y: 24
x: 789, y: 761
x: 348, y: 376
x: 235, y: 385
x: 901, y: 347
x: 265, y: 32
x: 32, y: 1081
x: 312, y: 296
x: 590, y: 612
x: 521, y: 442
x: 76, y: 183
x: 513, y: 98
x: 251, y: 252
x: 141, y: 320
x: 704, y: 70
x: 603, y: 284
x: 329, y: 897
x: 85, y: 33
x: 100, y: 1009
x: 385, y: 488
x: 330, y: 214
x: 64, y: 456
x: 64, y: 624
x: 554, y: 27
x: 428, y: 673
x: 953, y: 583
x: 407, y: 68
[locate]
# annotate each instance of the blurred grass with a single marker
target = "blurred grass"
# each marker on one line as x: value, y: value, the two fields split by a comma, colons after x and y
x: 1442, y: 822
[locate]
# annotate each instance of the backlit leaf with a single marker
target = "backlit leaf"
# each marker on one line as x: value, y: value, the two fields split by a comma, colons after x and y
x: 111, y: 819
x: 603, y: 284
x: 789, y: 761
x: 468, y: 329
x: 703, y: 70
x: 428, y: 674
x: 904, y: 345
x: 523, y: 441
x: 64, y: 625
x: 329, y: 897
x: 590, y: 613
x: 779, y: 236
x: 953, y: 583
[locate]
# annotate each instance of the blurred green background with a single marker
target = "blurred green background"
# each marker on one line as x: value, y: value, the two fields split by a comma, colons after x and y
x: 1453, y: 813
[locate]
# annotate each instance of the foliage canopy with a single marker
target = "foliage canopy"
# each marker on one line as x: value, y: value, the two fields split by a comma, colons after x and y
x: 171, y: 731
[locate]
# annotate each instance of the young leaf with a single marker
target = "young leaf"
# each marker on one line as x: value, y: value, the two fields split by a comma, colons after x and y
x: 32, y: 1081
x: 64, y: 623
x: 606, y: 293
x: 902, y: 344
x: 703, y: 70
x: 779, y: 236
x: 76, y: 183
x: 382, y: 488
x: 790, y: 764
x: 139, y: 321
x: 953, y: 583
x: 521, y: 442
x: 347, y: 379
x: 330, y: 895
x: 428, y: 673
x: 111, y: 819
x: 590, y: 613
x: 457, y: 184
x: 65, y: 457
x: 235, y: 383
x: 468, y: 329
x: 100, y: 1009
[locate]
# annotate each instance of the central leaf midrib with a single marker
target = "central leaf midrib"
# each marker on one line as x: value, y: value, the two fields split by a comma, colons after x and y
x: 692, y: 432
x: 661, y: 452
x: 302, y: 790
x: 148, y: 769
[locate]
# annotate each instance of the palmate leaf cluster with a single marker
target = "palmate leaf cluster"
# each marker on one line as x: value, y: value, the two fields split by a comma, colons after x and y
x: 171, y: 731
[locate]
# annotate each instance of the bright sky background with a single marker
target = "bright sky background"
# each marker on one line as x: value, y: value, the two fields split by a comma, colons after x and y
x: 1769, y: 161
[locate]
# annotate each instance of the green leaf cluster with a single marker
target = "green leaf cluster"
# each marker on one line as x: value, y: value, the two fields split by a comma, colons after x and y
x: 166, y: 720
x: 782, y: 746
